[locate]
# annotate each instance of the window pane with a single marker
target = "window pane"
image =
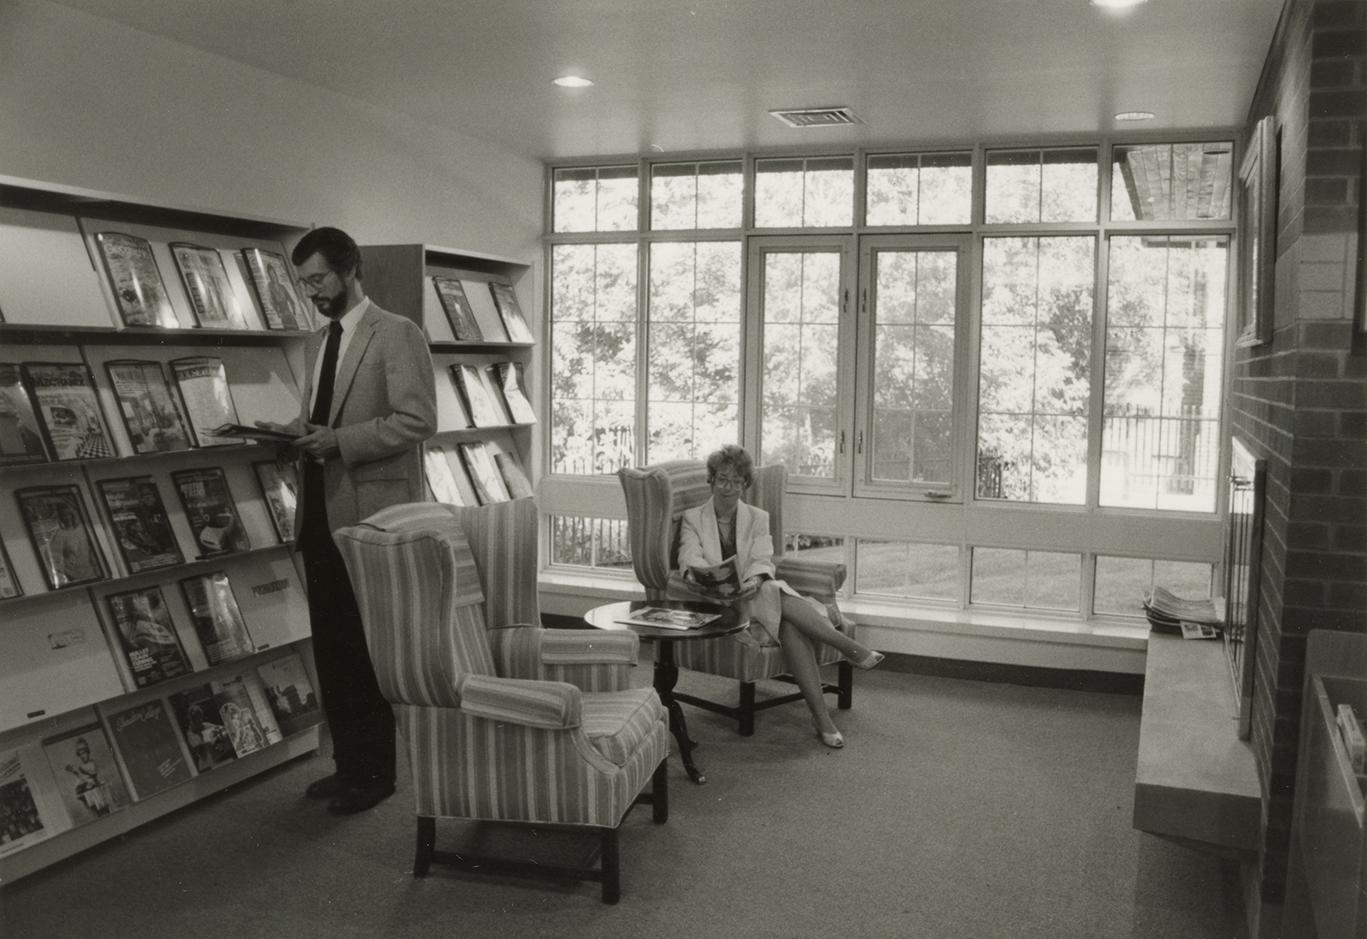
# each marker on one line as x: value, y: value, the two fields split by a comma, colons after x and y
x: 1157, y: 182
x: 912, y: 189
x: 1035, y: 369
x: 593, y: 349
x: 720, y: 190
x: 594, y: 199
x: 903, y: 569
x: 913, y: 355
x: 998, y: 576
x: 801, y: 308
x: 1041, y: 185
x: 1164, y: 371
x: 814, y: 547
x: 817, y: 192
x: 1121, y: 583
x: 1035, y: 580
x: 694, y: 355
x: 585, y: 541
x: 695, y: 195
x: 946, y: 189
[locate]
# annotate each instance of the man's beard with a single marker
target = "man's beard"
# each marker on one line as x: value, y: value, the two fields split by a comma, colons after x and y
x: 332, y: 307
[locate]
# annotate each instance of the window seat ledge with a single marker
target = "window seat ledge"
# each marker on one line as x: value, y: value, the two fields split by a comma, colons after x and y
x: 1195, y: 780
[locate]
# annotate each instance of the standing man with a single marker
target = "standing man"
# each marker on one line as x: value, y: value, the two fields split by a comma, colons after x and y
x: 369, y: 403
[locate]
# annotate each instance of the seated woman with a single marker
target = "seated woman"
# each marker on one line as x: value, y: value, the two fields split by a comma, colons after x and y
x: 725, y: 526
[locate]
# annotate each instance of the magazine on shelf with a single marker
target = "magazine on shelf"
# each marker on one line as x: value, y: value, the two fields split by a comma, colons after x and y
x: 87, y: 775
x: 663, y: 618
x: 722, y: 579
x: 211, y: 511
x: 441, y: 478
x: 280, y: 486
x: 218, y: 621
x: 489, y: 485
x: 21, y: 436
x: 273, y: 286
x: 206, y: 281
x: 139, y: 524
x: 1167, y: 604
x: 139, y: 291
x: 150, y: 747
x: 508, y: 377
x: 27, y: 813
x: 290, y: 694
x: 457, y: 308
x: 245, y: 713
x: 203, y: 384
x: 63, y: 394
x: 474, y: 396
x: 146, y: 637
x: 62, y: 535
x: 9, y: 584
x: 201, y: 727
x: 149, y: 411
x: 516, y: 480
x: 511, y: 313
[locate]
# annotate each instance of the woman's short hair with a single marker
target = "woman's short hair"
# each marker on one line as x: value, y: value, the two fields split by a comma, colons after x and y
x: 733, y: 456
x: 338, y: 249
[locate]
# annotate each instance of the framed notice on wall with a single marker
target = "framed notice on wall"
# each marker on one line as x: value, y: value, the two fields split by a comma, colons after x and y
x: 1258, y: 234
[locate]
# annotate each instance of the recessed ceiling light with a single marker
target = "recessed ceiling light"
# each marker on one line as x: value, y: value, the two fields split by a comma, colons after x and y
x: 572, y: 81
x: 1134, y: 116
x: 1117, y: 4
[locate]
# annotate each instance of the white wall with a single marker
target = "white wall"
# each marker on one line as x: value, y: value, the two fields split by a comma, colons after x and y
x: 90, y: 103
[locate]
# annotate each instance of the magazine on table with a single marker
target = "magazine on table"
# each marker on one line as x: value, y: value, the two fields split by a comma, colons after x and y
x: 211, y: 511
x: 139, y: 292
x: 146, y: 636
x: 511, y: 313
x: 150, y: 414
x: 217, y: 619
x: 21, y: 436
x: 203, y: 384
x: 206, y: 282
x: 88, y: 779
x: 150, y: 746
x: 63, y: 393
x: 280, y: 486
x: 62, y: 535
x: 273, y: 286
x: 139, y: 523
x: 456, y: 305
x: 660, y: 617
x: 201, y: 727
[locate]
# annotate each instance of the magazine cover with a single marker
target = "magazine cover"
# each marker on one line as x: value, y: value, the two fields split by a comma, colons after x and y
x: 206, y: 281
x: 201, y: 727
x: 87, y: 775
x: 475, y: 397
x: 9, y: 584
x: 440, y: 477
x: 518, y: 483
x: 664, y: 618
x: 21, y: 436
x: 513, y: 320
x: 63, y: 538
x: 146, y: 636
x: 722, y: 580
x: 280, y: 485
x: 508, y: 377
x: 239, y: 718
x: 150, y: 748
x: 457, y: 308
x: 487, y: 481
x: 63, y: 394
x: 210, y: 510
x: 149, y: 412
x: 139, y: 523
x: 203, y: 385
x: 133, y: 276
x: 290, y: 693
x: 24, y: 816
x: 273, y: 285
x: 218, y: 621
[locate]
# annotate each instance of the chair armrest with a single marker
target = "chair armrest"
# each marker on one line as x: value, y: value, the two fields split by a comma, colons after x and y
x: 527, y: 651
x: 821, y: 580
x: 549, y: 705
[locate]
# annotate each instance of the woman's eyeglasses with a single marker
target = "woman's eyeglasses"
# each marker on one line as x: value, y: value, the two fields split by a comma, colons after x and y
x: 729, y: 482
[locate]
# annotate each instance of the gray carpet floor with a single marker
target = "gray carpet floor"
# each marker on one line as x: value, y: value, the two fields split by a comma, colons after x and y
x: 958, y: 809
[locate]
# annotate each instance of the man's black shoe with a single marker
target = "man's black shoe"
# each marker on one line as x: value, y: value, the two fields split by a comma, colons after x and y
x: 359, y: 798
x: 329, y: 787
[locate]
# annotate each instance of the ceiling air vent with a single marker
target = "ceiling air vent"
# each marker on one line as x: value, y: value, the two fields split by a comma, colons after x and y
x: 817, y: 117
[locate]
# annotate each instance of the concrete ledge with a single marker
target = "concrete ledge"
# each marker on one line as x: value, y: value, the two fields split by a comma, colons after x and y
x: 1196, y: 781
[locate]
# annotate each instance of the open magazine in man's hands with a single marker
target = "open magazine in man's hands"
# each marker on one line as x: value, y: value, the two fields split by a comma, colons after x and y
x: 722, y: 580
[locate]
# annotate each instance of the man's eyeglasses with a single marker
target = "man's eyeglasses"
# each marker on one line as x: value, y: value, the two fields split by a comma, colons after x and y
x: 729, y: 482
x: 315, y: 282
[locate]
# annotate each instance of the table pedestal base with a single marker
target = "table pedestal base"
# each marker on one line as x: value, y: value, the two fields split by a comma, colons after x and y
x: 666, y: 676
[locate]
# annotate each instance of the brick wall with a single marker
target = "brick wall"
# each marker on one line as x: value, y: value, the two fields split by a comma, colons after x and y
x: 1300, y: 400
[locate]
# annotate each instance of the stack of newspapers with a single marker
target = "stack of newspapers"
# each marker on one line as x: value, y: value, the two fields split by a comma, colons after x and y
x: 1169, y: 613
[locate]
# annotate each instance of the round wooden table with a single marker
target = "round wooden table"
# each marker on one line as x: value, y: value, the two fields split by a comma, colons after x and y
x: 610, y: 615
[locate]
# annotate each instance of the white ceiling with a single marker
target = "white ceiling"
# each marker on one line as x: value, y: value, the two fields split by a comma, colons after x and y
x: 701, y: 74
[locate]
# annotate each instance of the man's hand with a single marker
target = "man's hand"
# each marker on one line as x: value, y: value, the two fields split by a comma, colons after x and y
x: 319, y: 443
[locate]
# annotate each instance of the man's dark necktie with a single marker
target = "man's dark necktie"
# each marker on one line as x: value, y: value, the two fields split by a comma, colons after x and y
x: 314, y: 523
x: 322, y: 401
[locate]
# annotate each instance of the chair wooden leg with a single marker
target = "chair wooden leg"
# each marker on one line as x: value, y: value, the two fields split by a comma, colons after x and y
x: 612, y: 883
x: 659, y: 793
x: 845, y: 681
x: 427, y: 840
x: 747, y: 709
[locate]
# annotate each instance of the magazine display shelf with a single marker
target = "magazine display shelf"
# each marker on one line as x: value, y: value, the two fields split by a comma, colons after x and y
x: 400, y: 278
x: 56, y: 305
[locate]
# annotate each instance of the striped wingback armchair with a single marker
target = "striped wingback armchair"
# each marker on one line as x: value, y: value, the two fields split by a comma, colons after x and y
x: 656, y: 497
x: 503, y: 720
